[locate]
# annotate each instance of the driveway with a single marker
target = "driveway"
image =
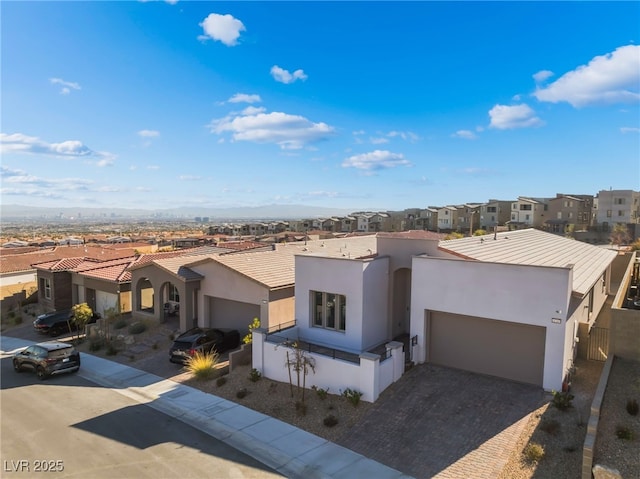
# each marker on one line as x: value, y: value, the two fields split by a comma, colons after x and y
x: 445, y: 423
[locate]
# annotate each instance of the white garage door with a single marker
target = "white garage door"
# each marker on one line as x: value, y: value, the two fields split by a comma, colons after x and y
x: 497, y: 348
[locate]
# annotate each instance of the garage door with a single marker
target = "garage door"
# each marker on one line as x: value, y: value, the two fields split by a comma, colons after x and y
x: 226, y: 313
x: 497, y: 348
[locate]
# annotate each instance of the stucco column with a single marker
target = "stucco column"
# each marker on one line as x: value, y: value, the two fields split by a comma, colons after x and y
x: 397, y: 356
x: 370, y: 376
x: 259, y: 335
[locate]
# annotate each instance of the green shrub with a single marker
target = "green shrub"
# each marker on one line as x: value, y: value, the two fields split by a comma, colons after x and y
x: 17, y: 320
x: 111, y: 350
x: 550, y: 426
x: 562, y: 400
x: 120, y: 323
x: 625, y: 433
x: 632, y: 407
x: 12, y: 314
x: 221, y: 381
x: 330, y: 420
x: 254, y: 375
x: 255, y: 324
x: 322, y: 393
x: 137, y: 328
x: 242, y: 393
x: 202, y: 365
x: 352, y: 396
x: 533, y: 452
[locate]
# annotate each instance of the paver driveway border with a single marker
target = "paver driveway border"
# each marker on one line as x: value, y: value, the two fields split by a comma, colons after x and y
x: 445, y: 423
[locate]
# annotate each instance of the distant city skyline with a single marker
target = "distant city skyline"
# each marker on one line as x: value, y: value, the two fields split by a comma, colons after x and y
x: 345, y: 105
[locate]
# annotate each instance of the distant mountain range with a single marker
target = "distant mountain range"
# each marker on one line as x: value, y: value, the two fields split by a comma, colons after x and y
x: 266, y: 212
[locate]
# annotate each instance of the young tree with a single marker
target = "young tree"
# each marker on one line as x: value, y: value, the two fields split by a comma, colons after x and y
x: 620, y: 234
x: 82, y: 313
x: 255, y: 324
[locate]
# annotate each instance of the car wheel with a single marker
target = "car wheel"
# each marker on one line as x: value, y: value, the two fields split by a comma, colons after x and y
x: 41, y: 373
x: 16, y: 366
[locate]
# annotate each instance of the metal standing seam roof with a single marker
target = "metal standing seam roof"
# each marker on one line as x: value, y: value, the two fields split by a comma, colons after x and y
x: 537, y: 248
x: 276, y: 268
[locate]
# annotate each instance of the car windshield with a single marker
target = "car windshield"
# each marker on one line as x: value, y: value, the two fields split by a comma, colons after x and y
x: 182, y: 344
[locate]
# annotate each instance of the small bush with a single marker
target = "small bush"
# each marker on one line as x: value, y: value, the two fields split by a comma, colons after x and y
x: 12, y: 314
x: 120, y: 323
x: 254, y: 375
x: 221, y: 381
x: 352, y: 396
x: 625, y: 433
x: 137, y: 328
x: 330, y: 420
x: 533, y: 452
x: 202, y: 365
x: 255, y: 324
x: 550, y: 426
x: 154, y: 346
x: 322, y: 393
x: 562, y: 400
x: 570, y: 448
x: 17, y: 320
x: 241, y: 393
x: 632, y: 407
x: 111, y: 350
x: 96, y: 344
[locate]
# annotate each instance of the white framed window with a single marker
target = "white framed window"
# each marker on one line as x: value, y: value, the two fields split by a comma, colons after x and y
x: 45, y: 284
x: 328, y: 310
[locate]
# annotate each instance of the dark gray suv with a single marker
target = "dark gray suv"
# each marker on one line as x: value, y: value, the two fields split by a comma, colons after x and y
x: 48, y: 359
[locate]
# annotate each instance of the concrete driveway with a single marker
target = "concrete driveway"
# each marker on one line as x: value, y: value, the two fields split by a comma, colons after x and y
x: 445, y: 423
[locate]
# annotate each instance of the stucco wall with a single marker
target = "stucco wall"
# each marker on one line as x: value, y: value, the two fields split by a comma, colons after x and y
x: 375, y: 328
x: 340, y: 276
x: 521, y: 294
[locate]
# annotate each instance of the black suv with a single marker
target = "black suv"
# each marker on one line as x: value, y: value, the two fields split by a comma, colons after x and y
x: 58, y: 322
x: 47, y: 359
x: 203, y: 340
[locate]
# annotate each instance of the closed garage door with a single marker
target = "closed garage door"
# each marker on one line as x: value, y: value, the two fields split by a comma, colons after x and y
x: 226, y: 313
x: 497, y: 348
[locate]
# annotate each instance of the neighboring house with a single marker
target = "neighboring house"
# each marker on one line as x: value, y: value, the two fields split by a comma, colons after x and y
x: 229, y: 290
x: 427, y: 219
x: 528, y: 213
x: 447, y: 218
x: 468, y: 219
x: 617, y: 206
x: 494, y: 213
x: 569, y: 213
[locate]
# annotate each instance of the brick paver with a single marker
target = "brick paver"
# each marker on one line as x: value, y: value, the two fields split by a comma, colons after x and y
x: 445, y: 423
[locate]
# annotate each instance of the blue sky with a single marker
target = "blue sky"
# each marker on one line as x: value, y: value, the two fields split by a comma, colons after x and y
x: 363, y: 105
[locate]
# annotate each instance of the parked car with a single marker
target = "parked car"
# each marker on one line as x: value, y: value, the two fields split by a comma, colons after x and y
x: 203, y: 340
x: 48, y: 359
x: 58, y: 322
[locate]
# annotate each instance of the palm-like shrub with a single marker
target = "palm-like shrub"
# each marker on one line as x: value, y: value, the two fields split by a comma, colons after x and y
x: 203, y: 365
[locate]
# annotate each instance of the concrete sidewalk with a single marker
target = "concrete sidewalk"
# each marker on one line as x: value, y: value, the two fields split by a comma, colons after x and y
x: 281, y: 446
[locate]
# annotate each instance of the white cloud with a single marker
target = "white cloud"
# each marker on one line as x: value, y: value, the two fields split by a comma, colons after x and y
x: 23, y: 183
x: 253, y: 110
x: 244, y: 98
x: 66, y: 86
x: 630, y: 129
x: 323, y: 194
x: 505, y: 117
x: 223, y: 28
x: 375, y: 160
x: 287, y: 131
x: 378, y: 141
x: 542, y: 75
x: 465, y: 134
x: 610, y: 78
x: 283, y: 76
x: 149, y: 133
x: 105, y: 162
x: 20, y: 143
x: 153, y: 167
x: 189, y: 177
x: 405, y: 135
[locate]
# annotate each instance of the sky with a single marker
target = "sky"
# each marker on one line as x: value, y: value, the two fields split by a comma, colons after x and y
x: 351, y: 105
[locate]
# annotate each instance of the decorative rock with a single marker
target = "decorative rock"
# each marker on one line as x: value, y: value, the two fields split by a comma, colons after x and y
x: 603, y: 472
x: 129, y: 339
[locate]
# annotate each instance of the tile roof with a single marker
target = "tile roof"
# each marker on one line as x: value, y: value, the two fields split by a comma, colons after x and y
x: 275, y: 268
x: 538, y: 248
x: 414, y: 234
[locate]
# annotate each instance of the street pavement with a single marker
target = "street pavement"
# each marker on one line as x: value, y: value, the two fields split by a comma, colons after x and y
x: 281, y: 447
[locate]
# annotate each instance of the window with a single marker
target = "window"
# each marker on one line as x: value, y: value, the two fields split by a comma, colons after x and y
x: 620, y: 213
x: 525, y: 207
x: 174, y: 295
x: 559, y: 215
x: 570, y: 215
x: 491, y: 209
x: 329, y: 310
x: 618, y: 201
x: 608, y: 213
x: 527, y: 217
x: 45, y: 286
